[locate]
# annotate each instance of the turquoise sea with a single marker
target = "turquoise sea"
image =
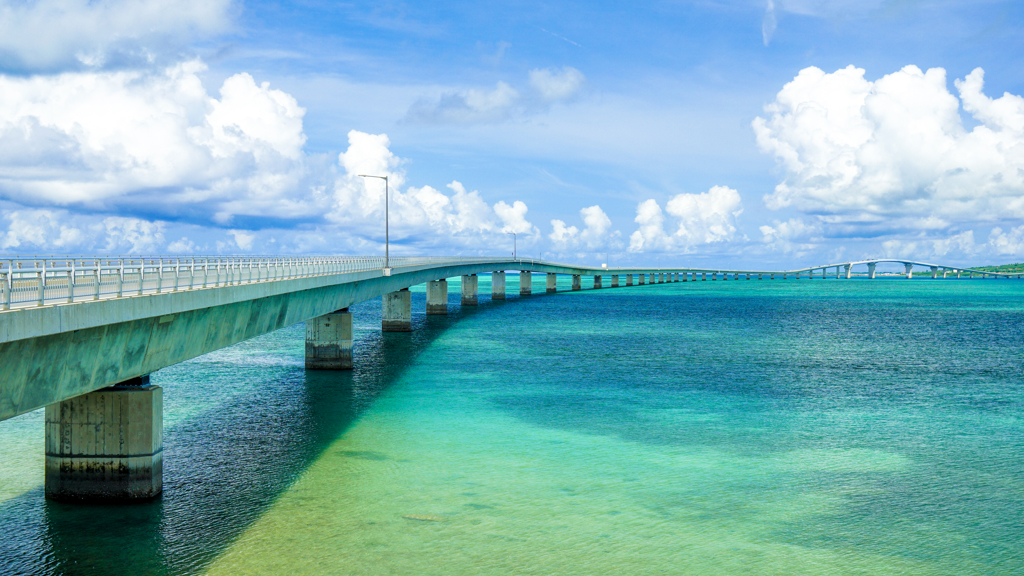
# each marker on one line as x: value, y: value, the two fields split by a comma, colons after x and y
x: 712, y: 428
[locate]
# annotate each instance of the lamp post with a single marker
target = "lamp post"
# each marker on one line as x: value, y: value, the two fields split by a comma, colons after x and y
x: 387, y: 225
x: 513, y: 235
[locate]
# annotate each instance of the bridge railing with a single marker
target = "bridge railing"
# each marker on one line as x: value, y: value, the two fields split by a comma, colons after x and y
x: 46, y: 281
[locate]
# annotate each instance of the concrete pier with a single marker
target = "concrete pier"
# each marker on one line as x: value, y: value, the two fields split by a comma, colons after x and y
x: 396, y: 311
x: 615, y: 280
x: 576, y: 282
x: 498, y: 285
x: 106, y: 445
x: 848, y: 268
x: 329, y: 341
x: 909, y: 267
x: 525, y: 283
x: 935, y: 272
x: 703, y: 276
x: 871, y: 270
x: 641, y: 278
x: 469, y: 290
x: 629, y: 279
x: 597, y: 281
x: 437, y: 297
x: 552, y: 283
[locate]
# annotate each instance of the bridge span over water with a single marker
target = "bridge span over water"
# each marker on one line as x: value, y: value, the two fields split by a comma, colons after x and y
x: 79, y: 335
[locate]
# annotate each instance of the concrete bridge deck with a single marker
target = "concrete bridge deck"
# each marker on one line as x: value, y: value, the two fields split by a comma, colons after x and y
x: 79, y: 335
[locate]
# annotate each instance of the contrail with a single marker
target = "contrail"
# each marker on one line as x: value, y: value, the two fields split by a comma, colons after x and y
x: 561, y: 38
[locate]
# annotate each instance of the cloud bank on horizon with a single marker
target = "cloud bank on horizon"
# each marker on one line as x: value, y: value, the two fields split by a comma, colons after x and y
x: 116, y: 137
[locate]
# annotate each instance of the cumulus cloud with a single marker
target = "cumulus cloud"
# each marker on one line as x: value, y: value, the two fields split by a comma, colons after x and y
x: 958, y: 245
x: 47, y: 230
x: 49, y: 35
x: 768, y: 23
x: 476, y: 106
x: 596, y: 232
x: 1010, y: 242
x: 705, y: 218
x: 895, y: 152
x: 154, y: 142
x: 793, y: 235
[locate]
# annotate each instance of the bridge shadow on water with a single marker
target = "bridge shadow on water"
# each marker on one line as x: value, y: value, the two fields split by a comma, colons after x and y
x: 222, y: 469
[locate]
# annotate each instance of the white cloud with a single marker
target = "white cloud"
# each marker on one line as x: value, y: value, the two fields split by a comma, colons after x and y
x: 793, y: 235
x: 45, y: 230
x: 959, y: 246
x: 557, y: 85
x: 894, y: 152
x: 181, y: 246
x: 1010, y: 242
x: 476, y: 106
x: 243, y: 239
x: 154, y: 142
x: 769, y: 23
x: 705, y: 218
x: 62, y: 34
x: 595, y: 234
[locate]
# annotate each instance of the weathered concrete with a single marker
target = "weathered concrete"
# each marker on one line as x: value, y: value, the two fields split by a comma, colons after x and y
x: 848, y: 267
x: 329, y: 341
x: 396, y: 311
x: 107, y: 444
x: 615, y: 280
x: 437, y: 297
x: 498, y: 285
x: 552, y: 283
x: 871, y: 270
x: 470, y: 284
x: 576, y: 282
x: 935, y: 272
x: 597, y: 281
x: 641, y: 279
x: 909, y: 268
x: 703, y: 276
x: 525, y: 283
x: 629, y: 279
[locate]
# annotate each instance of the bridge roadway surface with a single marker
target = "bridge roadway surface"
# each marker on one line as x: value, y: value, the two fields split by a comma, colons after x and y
x: 73, y: 325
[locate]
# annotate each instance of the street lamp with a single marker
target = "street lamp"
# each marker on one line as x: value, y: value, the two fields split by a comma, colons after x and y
x: 387, y: 242
x: 513, y: 235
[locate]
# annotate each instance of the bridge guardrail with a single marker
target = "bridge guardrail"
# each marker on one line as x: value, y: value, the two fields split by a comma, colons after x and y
x: 26, y: 282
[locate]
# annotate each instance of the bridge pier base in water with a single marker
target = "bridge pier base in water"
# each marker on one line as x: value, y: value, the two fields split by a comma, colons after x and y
x: 871, y: 270
x: 470, y: 283
x: 848, y: 267
x: 498, y: 285
x: 525, y: 283
x: 615, y: 280
x: 576, y: 282
x: 396, y: 311
x: 641, y: 279
x: 106, y: 445
x: 552, y: 283
x: 629, y: 279
x: 437, y: 297
x: 329, y: 341
x: 597, y: 282
x: 909, y: 267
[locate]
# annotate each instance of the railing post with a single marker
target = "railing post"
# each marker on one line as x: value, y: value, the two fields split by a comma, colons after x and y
x: 71, y: 283
x: 99, y: 278
x: 5, y: 289
x: 42, y: 284
x: 191, y: 274
x: 142, y: 275
x: 120, y: 277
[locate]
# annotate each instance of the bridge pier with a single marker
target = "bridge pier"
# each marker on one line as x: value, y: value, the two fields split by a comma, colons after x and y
x: 525, y: 283
x: 629, y: 279
x: 576, y: 282
x: 396, y: 311
x: 641, y: 279
x: 498, y: 285
x: 552, y: 283
x: 329, y: 341
x: 597, y: 281
x: 935, y: 272
x: 106, y: 445
x: 615, y: 280
x: 469, y: 290
x: 437, y: 297
x: 848, y: 268
x: 871, y: 269
x: 703, y: 276
x: 909, y: 267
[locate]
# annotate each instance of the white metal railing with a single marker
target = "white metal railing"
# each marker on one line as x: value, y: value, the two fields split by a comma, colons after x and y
x: 47, y: 281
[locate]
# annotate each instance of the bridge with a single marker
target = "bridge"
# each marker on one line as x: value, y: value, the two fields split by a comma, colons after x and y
x: 80, y: 335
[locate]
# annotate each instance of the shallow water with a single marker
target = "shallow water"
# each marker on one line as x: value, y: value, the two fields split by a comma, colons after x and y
x: 789, y: 427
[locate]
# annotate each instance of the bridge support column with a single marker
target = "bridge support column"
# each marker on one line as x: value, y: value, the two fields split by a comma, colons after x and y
x: 946, y: 271
x: 629, y: 279
x: 552, y: 283
x: 871, y: 269
x: 909, y: 267
x: 498, y: 285
x: 848, y: 268
x: 525, y: 283
x: 469, y: 290
x: 640, y: 279
x: 597, y: 281
x: 437, y: 297
x: 329, y: 341
x: 685, y: 275
x: 396, y: 311
x: 106, y: 445
x: 935, y: 272
x: 615, y: 280
x: 703, y: 276
x: 576, y: 282
x: 784, y: 276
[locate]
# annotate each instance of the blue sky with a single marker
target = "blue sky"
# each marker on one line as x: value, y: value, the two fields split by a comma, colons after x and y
x: 587, y: 128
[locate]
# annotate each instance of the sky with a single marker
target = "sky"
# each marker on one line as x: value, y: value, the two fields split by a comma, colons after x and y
x: 727, y: 133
